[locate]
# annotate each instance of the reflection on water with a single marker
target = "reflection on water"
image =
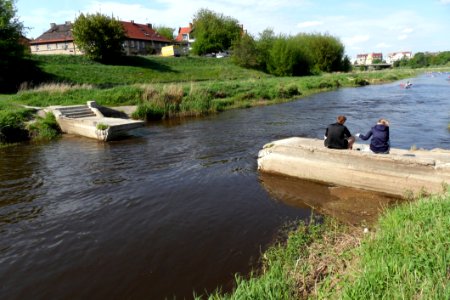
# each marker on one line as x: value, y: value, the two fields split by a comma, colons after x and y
x: 349, y: 205
x: 182, y: 207
x: 19, y: 174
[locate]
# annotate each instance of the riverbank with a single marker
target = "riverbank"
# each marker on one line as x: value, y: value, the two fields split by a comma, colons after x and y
x: 402, y: 256
x: 179, y: 87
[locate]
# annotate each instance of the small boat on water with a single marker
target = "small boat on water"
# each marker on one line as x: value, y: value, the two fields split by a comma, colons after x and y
x: 406, y: 85
x: 395, y: 173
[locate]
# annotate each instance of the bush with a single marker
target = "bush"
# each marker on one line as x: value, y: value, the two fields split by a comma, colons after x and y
x: 12, y: 125
x: 44, y: 129
x: 288, y: 92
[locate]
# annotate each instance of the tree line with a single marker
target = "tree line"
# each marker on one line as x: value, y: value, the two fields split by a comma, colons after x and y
x: 423, y: 60
x: 100, y: 37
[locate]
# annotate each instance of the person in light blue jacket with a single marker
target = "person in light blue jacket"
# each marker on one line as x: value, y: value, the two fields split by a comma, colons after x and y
x: 380, y: 137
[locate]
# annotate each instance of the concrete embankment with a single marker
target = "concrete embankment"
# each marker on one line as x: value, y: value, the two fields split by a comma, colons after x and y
x: 394, y: 173
x: 89, y: 121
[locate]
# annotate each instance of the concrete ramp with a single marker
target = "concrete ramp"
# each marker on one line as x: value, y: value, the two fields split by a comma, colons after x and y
x: 88, y: 121
x: 394, y: 173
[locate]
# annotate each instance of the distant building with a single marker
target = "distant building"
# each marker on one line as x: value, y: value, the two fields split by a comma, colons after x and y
x: 368, y: 59
x: 140, y: 39
x: 57, y: 40
x: 185, y: 37
x: 396, y: 56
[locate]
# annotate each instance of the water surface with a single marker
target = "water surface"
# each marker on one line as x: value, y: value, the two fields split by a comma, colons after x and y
x: 181, y: 206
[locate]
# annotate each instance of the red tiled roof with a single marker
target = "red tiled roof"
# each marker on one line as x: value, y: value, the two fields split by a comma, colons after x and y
x: 63, y: 33
x: 181, y: 31
x: 142, y: 32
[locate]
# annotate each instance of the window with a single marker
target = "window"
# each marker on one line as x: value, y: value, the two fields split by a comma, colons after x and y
x: 185, y: 37
x: 49, y: 47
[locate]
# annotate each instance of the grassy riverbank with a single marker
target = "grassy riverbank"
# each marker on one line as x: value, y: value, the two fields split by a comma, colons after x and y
x: 404, y: 256
x: 164, y: 87
x: 173, y: 87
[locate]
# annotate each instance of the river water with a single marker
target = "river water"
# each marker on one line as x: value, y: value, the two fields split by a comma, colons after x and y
x: 181, y: 207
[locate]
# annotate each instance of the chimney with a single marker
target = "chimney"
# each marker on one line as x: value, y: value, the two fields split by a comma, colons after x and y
x: 68, y: 23
x: 132, y: 21
x: 52, y: 25
x: 190, y: 25
x: 149, y: 25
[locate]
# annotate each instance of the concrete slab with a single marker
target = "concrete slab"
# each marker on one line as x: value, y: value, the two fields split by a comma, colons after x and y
x: 394, y: 173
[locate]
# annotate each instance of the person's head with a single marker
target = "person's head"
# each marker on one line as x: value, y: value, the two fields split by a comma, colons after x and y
x: 383, y: 122
x: 341, y: 119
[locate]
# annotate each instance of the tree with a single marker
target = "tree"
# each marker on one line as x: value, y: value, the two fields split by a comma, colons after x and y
x: 11, y: 50
x: 214, y: 32
x: 245, y: 52
x: 166, y: 32
x: 327, y: 52
x: 98, y: 36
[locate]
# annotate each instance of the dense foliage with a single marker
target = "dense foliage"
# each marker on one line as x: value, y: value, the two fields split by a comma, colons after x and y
x: 165, y: 31
x: 421, y: 60
x: 11, y: 50
x: 99, y: 37
x: 214, y: 32
x: 282, y: 55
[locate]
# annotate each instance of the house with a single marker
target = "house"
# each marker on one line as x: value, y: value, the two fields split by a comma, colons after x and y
x: 368, y: 59
x: 396, y: 56
x: 139, y: 39
x: 142, y: 39
x: 57, y: 40
x: 361, y: 59
x: 185, y: 37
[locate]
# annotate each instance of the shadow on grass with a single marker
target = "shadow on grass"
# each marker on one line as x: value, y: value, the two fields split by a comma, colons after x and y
x: 20, y: 72
x: 143, y: 62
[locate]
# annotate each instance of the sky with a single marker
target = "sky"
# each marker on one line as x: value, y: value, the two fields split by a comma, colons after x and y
x: 362, y: 26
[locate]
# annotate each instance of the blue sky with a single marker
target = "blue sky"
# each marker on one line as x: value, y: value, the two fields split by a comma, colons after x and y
x: 362, y: 26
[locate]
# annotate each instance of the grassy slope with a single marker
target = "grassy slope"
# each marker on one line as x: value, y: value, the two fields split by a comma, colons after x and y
x: 226, y: 84
x: 80, y: 70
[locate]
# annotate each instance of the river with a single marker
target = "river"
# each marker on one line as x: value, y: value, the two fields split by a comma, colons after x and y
x: 180, y: 207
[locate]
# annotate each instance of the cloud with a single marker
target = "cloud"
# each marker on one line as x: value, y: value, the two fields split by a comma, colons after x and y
x: 357, y: 39
x: 445, y: 1
x: 402, y: 37
x: 408, y: 30
x: 309, y: 24
x: 382, y: 45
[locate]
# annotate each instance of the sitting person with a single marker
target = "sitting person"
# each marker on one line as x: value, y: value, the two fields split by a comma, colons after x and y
x: 337, y: 136
x: 380, y: 137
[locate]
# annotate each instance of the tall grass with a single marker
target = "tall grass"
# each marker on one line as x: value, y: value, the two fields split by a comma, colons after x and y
x: 409, y: 256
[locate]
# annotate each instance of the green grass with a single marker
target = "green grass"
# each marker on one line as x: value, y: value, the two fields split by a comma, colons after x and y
x: 409, y: 257
x: 44, y: 128
x: 172, y: 86
x: 405, y: 256
x: 140, y: 69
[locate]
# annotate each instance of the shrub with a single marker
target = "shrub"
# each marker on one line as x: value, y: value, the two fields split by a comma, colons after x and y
x: 12, y: 125
x: 197, y: 102
x: 288, y: 92
x: 44, y: 129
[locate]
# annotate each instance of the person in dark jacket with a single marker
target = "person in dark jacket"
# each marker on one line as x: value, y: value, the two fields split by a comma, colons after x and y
x: 380, y: 137
x: 337, y: 136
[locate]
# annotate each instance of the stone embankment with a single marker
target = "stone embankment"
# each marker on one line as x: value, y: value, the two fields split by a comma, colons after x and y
x: 89, y: 121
